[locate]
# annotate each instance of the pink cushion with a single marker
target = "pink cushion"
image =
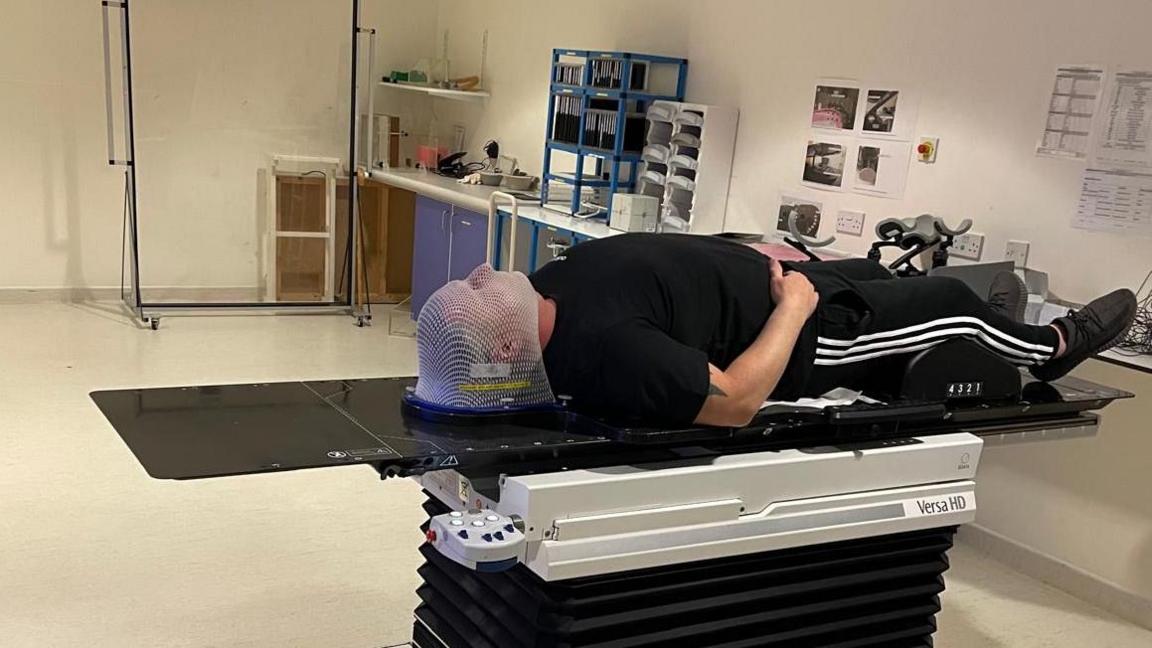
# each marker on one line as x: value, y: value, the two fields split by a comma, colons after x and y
x: 780, y: 251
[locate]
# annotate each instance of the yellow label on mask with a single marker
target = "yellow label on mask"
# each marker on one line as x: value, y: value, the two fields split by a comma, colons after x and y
x: 473, y: 387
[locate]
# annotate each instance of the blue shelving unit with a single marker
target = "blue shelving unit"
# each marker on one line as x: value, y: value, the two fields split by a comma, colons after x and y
x: 602, y: 82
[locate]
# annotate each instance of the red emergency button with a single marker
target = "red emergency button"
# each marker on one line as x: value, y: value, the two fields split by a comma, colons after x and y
x: 431, y: 535
x: 924, y: 149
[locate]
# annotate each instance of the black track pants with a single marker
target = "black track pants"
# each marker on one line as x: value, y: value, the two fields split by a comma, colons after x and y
x: 870, y: 324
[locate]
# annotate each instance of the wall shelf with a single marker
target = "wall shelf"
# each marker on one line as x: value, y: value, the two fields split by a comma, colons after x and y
x: 596, y: 107
x: 458, y: 95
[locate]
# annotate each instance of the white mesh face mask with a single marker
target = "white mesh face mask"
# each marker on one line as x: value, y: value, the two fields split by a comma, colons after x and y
x: 479, y: 347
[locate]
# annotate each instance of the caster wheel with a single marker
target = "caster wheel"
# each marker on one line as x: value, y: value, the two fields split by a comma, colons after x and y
x: 154, y: 322
x: 364, y: 320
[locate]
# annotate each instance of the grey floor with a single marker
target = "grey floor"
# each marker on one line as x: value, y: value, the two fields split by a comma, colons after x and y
x: 95, y: 553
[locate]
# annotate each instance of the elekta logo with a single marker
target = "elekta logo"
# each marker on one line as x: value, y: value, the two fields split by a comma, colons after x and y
x: 948, y: 505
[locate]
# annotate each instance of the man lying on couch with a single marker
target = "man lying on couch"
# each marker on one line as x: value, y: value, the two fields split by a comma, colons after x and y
x: 679, y: 329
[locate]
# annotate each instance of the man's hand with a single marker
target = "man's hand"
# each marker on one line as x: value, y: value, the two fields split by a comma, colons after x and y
x: 736, y: 393
x: 792, y: 290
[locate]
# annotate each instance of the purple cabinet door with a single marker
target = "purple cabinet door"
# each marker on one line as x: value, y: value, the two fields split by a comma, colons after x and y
x: 430, y: 251
x: 469, y: 242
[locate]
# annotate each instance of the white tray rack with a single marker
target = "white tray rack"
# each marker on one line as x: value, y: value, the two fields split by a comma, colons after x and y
x: 687, y: 162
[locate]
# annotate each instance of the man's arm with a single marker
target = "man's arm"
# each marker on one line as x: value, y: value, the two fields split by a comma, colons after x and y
x: 736, y: 394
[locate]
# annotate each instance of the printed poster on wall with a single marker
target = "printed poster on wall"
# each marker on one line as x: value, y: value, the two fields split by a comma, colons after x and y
x: 807, y: 214
x: 1115, y: 200
x: 825, y: 163
x: 859, y: 137
x: 835, y: 105
x: 888, y: 112
x: 881, y: 168
x: 1071, y: 110
x: 1125, y: 120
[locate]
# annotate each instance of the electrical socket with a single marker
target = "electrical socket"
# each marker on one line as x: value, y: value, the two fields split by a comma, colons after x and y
x: 1017, y: 253
x: 850, y: 222
x: 968, y: 246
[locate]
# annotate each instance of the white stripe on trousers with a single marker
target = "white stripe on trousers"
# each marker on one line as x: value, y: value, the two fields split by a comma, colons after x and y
x: 878, y: 354
x: 849, y: 352
x: 963, y: 331
x: 916, y: 347
x: 959, y: 319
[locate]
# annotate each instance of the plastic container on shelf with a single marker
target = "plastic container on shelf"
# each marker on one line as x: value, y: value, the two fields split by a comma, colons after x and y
x: 648, y: 188
x: 662, y: 112
x: 660, y: 132
x: 679, y: 195
x: 683, y: 162
x: 656, y: 153
x: 689, y: 136
x: 689, y: 117
x: 675, y: 218
x: 655, y: 166
x: 653, y: 176
x: 682, y: 183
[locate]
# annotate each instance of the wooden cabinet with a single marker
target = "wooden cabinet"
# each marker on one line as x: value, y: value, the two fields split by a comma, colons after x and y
x: 449, y: 243
x: 300, y: 239
x: 386, y: 222
x: 306, y: 269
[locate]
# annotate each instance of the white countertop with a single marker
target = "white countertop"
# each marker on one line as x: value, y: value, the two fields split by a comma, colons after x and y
x: 425, y: 183
x: 475, y: 197
x: 582, y: 226
x: 1139, y: 362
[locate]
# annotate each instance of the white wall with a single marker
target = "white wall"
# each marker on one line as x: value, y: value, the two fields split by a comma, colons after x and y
x: 406, y: 34
x: 983, y: 69
x: 220, y: 86
x: 1083, y: 502
x: 59, y: 201
x: 522, y: 34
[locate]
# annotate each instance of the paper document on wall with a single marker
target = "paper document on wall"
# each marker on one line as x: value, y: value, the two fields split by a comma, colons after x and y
x: 888, y: 112
x: 835, y: 104
x: 807, y: 211
x: 1115, y: 200
x: 1126, y: 119
x: 1071, y: 111
x: 825, y: 162
x: 881, y: 168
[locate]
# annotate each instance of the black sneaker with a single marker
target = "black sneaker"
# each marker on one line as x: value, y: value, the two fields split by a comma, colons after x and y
x: 1097, y: 327
x: 1008, y: 296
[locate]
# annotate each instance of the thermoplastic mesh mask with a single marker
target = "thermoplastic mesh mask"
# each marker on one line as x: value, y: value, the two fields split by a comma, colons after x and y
x: 478, y: 345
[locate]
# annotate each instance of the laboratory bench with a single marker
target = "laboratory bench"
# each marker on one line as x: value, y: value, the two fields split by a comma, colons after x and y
x: 451, y: 230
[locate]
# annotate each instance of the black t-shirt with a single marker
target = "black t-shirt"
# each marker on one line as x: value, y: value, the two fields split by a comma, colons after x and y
x: 640, y: 316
